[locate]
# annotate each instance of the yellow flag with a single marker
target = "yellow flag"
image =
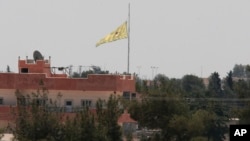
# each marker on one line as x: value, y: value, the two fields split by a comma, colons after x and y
x: 119, y: 33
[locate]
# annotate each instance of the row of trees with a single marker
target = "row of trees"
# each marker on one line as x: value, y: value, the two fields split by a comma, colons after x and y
x: 40, y: 119
x: 194, y: 87
x: 178, y: 120
x: 241, y: 71
x: 186, y: 109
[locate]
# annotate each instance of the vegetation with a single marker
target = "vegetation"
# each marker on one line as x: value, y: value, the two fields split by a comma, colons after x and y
x: 107, y: 118
x: 180, y: 110
x: 84, y: 74
x: 40, y: 119
x: 173, y: 109
x: 8, y: 68
x: 1, y: 133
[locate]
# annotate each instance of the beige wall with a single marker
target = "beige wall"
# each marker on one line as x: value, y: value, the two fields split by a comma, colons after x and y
x: 8, y: 95
x: 3, y: 123
x: 76, y: 97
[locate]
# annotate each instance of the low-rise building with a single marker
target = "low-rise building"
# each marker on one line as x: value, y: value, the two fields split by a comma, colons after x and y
x: 37, y: 73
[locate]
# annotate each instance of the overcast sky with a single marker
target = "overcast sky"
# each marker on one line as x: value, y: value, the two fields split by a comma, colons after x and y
x: 178, y: 36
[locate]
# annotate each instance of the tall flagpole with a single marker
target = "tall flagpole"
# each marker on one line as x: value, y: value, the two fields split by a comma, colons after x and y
x: 128, y: 35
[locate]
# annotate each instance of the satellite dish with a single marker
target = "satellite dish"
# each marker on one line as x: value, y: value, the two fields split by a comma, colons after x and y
x: 37, y: 55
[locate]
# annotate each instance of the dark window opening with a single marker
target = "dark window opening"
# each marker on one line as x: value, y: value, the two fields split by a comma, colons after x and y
x: 24, y: 70
x: 126, y: 95
x: 1, y: 101
x: 86, y: 103
x: 68, y: 103
x: 133, y: 95
x: 21, y: 101
x: 68, y: 106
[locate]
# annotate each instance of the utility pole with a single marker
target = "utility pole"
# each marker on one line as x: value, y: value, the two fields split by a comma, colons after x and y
x: 139, y: 68
x: 128, y: 36
x: 154, y: 69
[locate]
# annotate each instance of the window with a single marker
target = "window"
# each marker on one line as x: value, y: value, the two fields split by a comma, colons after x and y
x: 86, y: 103
x: 69, y: 106
x: 126, y: 95
x: 133, y: 96
x: 1, y: 101
x: 68, y: 103
x: 24, y: 70
x: 22, y: 101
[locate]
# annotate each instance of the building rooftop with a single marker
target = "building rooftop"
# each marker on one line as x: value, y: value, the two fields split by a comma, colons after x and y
x: 125, y: 118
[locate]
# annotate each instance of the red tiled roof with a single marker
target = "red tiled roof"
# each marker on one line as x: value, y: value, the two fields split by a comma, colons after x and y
x: 125, y: 118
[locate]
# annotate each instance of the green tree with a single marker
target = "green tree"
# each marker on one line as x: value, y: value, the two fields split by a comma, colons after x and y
x: 160, y: 82
x: 217, y: 128
x: 8, y: 68
x: 207, y: 124
x: 179, y: 128
x: 84, y: 74
x: 242, y: 89
x: 214, y: 86
x: 76, y: 75
x: 239, y: 71
x: 193, y: 86
x: 196, y: 124
x: 138, y: 84
x: 1, y: 133
x: 244, y: 115
x: 228, y: 87
x: 145, y: 87
x: 33, y: 119
x: 81, y: 127
x: 107, y: 116
x: 247, y: 71
x: 229, y: 80
x: 174, y: 86
x: 155, y: 111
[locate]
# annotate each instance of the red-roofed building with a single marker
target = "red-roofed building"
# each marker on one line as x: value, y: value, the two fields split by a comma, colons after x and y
x: 128, y: 124
x: 74, y: 92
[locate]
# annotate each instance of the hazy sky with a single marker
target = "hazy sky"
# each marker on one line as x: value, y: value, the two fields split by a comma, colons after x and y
x: 177, y: 36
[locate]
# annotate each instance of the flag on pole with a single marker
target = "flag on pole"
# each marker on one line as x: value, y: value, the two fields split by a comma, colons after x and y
x: 119, y: 33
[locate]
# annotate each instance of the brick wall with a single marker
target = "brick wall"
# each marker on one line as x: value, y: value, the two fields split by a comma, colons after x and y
x: 92, y: 83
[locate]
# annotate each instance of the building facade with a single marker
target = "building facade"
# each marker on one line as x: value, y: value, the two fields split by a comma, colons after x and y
x: 73, y: 92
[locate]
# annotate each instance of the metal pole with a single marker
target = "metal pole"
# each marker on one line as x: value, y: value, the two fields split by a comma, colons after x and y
x: 152, y: 67
x: 128, y: 35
